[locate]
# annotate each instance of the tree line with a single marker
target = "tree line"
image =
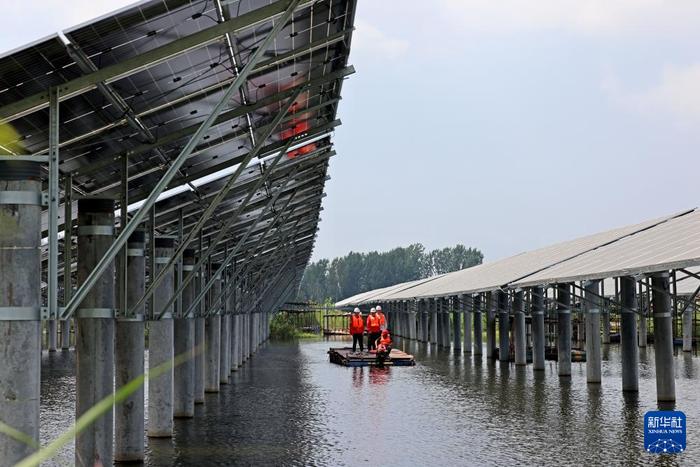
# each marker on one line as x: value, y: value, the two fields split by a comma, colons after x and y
x: 359, y: 272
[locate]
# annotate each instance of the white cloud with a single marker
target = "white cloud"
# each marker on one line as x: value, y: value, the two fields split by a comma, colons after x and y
x: 676, y: 94
x: 582, y: 16
x: 369, y: 40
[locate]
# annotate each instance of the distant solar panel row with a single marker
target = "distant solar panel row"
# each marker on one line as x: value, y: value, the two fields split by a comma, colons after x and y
x: 671, y: 242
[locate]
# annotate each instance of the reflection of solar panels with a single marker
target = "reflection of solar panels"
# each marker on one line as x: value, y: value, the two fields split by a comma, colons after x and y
x: 138, y: 83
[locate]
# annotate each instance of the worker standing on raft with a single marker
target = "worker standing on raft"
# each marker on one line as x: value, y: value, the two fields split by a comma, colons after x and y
x: 357, y: 329
x: 373, y: 329
x: 382, y: 318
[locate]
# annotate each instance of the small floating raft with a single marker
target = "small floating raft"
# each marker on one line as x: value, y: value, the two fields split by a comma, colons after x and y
x: 345, y: 356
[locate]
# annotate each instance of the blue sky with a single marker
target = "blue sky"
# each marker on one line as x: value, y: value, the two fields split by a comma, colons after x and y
x: 502, y: 125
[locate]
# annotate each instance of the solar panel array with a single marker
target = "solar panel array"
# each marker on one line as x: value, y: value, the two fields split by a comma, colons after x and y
x: 137, y: 84
x: 670, y: 242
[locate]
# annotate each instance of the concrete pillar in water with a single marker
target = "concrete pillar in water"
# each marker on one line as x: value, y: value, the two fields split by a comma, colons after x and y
x: 445, y: 315
x: 213, y: 343
x: 520, y: 332
x: 605, y: 320
x: 468, y: 311
x: 503, y: 327
x: 478, y: 332
x: 53, y: 334
x: 688, y: 328
x: 491, y: 306
x: 643, y: 311
x: 20, y: 288
x: 233, y: 365
x: 592, y: 306
x: 538, y: 328
x: 160, y: 347
x: 663, y: 338
x: 412, y: 326
x: 94, y: 338
x: 235, y: 328
x: 225, y: 347
x: 425, y: 319
x: 129, y: 356
x: 432, y: 306
x: 199, y: 343
x: 457, y: 310
x: 564, y: 329
x: 184, y: 373
x: 629, y: 351
x: 65, y: 334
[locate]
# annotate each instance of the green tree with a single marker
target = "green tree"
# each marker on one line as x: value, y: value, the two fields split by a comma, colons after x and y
x: 357, y: 272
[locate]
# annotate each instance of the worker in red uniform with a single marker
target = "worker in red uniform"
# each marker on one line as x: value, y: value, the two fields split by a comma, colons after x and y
x: 382, y: 318
x: 383, y: 347
x: 357, y: 329
x: 373, y: 329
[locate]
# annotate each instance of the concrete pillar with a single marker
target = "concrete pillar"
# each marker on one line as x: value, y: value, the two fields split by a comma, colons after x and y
x: 468, y: 309
x: 52, y: 334
x: 537, y: 328
x: 65, y: 334
x: 129, y: 356
x: 213, y: 344
x: 225, y: 352
x: 94, y: 338
x: 457, y: 324
x: 520, y: 332
x: 564, y: 329
x: 160, y: 347
x: 446, y: 322
x: 663, y: 338
x: 20, y: 287
x: 425, y: 319
x: 241, y: 338
x: 629, y: 351
x: 688, y: 328
x: 593, y: 356
x: 184, y: 373
x: 605, y: 319
x: 503, y: 327
x: 199, y: 359
x: 235, y: 328
x: 412, y: 326
x: 478, y: 332
x: 233, y: 364
x: 491, y: 305
x: 432, y: 306
x: 642, y: 338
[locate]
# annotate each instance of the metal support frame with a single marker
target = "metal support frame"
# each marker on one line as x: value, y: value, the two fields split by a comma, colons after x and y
x: 221, y: 195
x: 232, y: 254
x: 177, y: 163
x: 249, y: 264
x: 54, y: 125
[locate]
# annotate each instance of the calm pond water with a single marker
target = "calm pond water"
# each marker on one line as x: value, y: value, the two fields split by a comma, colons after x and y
x: 290, y: 406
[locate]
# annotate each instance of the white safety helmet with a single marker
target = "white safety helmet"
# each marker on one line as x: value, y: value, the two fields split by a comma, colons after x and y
x: 379, y: 308
x: 372, y: 310
x: 356, y: 310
